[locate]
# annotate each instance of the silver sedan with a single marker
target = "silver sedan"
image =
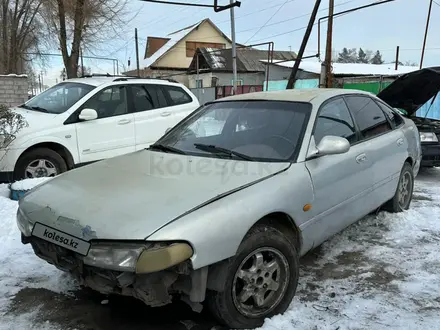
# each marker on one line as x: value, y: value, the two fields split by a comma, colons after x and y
x: 220, y: 209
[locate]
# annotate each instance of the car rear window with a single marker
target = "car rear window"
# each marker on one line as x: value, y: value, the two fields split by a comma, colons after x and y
x: 177, y: 95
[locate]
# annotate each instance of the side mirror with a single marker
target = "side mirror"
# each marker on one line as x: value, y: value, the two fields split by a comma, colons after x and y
x: 88, y: 114
x: 332, y: 145
x: 168, y: 129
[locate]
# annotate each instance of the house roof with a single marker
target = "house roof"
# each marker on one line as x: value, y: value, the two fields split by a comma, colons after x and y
x: 351, y: 69
x: 248, y: 59
x: 174, y: 38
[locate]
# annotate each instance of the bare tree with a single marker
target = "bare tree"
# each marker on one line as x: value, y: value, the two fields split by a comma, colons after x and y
x: 83, y: 24
x: 20, y: 33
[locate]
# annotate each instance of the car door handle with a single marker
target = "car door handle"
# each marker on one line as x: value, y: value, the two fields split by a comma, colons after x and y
x: 124, y: 122
x: 400, y: 142
x: 165, y: 114
x: 361, y: 158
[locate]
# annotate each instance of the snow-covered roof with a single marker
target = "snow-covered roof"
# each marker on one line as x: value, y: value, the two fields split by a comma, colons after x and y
x: 175, y: 37
x: 352, y: 68
x: 14, y: 75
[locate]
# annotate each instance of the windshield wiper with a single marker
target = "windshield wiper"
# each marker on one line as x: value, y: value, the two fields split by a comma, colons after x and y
x: 220, y: 150
x: 165, y: 148
x: 40, y: 109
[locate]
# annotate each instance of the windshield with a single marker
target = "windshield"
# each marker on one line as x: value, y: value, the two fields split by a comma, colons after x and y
x: 250, y: 130
x: 58, y: 98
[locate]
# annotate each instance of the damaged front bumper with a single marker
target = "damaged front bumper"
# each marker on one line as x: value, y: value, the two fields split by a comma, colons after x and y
x: 153, y: 281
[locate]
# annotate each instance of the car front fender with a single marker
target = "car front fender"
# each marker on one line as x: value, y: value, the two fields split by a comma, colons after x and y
x: 216, y: 230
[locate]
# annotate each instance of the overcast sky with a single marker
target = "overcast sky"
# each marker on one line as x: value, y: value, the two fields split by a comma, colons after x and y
x: 399, y: 23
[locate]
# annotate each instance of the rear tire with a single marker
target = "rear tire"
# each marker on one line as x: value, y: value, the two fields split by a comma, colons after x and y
x: 40, y: 162
x: 403, y: 196
x: 266, y: 270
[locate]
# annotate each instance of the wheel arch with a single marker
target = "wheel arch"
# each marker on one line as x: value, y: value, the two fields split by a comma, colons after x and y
x: 285, y: 224
x: 57, y: 147
x: 279, y: 220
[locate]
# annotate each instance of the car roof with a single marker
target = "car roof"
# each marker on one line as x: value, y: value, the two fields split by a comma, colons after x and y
x: 297, y: 95
x: 97, y: 80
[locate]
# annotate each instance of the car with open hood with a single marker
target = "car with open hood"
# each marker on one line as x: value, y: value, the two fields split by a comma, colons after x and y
x: 219, y: 210
x: 409, y: 93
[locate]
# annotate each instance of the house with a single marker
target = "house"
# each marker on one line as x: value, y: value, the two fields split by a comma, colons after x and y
x: 213, y: 67
x: 170, y: 56
x: 368, y: 77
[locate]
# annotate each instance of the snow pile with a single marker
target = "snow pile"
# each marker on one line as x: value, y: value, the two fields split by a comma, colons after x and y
x: 28, y: 184
x: 19, y: 267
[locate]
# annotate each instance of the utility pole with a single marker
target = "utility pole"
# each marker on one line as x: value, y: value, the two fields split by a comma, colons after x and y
x: 426, y: 33
x: 234, y: 50
x: 137, y: 51
x: 198, y: 76
x: 328, y: 47
x: 299, y: 56
x: 39, y: 82
x: 396, y: 66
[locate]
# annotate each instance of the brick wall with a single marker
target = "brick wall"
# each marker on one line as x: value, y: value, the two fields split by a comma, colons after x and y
x: 13, y: 90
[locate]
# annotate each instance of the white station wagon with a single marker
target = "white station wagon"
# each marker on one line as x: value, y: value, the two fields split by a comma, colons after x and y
x: 83, y: 120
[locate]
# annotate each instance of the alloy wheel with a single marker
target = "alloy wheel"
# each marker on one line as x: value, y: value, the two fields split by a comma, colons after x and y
x: 40, y: 168
x: 260, y: 282
x: 405, y: 185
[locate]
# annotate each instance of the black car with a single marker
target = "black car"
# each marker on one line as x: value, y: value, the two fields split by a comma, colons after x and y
x: 408, y: 93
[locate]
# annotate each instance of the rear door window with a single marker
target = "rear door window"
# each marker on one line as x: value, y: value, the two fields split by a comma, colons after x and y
x: 148, y: 97
x: 369, y: 117
x: 393, y: 117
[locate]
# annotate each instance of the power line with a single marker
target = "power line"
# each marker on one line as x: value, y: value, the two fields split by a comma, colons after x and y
x: 161, y: 18
x: 252, y: 13
x: 298, y: 17
x: 276, y: 23
x: 185, y: 4
x: 270, y: 18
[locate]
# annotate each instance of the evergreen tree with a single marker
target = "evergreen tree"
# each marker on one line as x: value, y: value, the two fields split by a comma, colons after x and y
x: 344, y: 56
x: 377, y: 58
x: 347, y: 56
x: 362, y: 56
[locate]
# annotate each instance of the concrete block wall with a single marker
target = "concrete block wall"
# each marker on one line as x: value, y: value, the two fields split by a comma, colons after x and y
x: 13, y: 90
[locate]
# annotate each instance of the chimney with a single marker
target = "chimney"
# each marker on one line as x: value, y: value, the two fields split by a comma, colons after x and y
x: 154, y: 44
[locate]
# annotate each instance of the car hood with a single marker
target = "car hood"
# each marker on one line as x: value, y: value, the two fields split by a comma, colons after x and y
x: 130, y: 197
x: 412, y: 90
x: 35, y: 119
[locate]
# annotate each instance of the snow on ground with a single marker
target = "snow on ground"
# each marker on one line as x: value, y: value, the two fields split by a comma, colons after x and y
x: 19, y: 268
x: 383, y: 272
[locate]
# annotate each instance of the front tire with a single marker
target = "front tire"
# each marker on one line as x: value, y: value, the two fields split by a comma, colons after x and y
x: 261, y: 280
x: 403, y: 196
x: 40, y: 162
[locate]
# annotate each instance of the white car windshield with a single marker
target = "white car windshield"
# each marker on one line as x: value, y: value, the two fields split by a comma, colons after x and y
x: 58, y: 98
x: 249, y: 130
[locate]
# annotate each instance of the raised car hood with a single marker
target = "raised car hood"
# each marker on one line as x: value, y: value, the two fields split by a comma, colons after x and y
x: 412, y: 90
x: 132, y: 196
